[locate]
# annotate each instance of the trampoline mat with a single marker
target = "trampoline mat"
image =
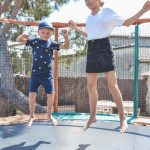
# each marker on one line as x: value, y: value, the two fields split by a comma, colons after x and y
x: 68, y: 135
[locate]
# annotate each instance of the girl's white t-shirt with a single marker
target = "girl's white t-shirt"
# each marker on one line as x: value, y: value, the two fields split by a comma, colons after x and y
x: 100, y: 25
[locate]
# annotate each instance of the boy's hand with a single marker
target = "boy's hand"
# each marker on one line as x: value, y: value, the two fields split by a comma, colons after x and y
x: 72, y: 25
x: 65, y: 45
x: 65, y: 33
x: 25, y: 36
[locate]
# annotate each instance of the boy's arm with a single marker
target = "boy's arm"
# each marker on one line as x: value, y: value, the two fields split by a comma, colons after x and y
x: 65, y: 45
x: 23, y: 38
x: 73, y: 26
x: 134, y: 18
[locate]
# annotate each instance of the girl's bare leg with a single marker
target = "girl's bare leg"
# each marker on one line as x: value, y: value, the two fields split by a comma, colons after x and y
x: 50, y: 100
x: 116, y: 94
x: 32, y: 96
x: 93, y: 96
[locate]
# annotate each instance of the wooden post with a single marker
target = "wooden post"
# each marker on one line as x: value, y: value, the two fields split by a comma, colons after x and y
x: 56, y: 74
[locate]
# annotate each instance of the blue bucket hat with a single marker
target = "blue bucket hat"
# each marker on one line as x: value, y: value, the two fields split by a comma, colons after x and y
x: 45, y: 24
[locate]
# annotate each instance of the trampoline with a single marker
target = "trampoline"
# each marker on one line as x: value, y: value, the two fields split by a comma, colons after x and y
x: 68, y: 135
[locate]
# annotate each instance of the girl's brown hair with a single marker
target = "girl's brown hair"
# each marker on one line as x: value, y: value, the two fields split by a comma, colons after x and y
x: 101, y: 3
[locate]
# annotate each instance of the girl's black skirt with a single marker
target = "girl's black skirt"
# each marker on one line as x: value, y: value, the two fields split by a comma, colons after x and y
x: 100, y: 57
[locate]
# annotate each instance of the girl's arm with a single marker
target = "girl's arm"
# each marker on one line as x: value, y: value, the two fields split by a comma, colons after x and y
x: 66, y: 43
x: 73, y: 26
x: 134, y: 18
x: 23, y: 38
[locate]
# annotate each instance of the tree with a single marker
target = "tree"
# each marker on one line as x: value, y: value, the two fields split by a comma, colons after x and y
x: 27, y: 10
x: 79, y: 47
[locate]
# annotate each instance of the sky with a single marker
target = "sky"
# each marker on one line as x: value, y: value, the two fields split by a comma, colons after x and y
x: 78, y: 11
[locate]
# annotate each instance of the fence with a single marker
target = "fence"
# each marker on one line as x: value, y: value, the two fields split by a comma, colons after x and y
x: 131, y: 47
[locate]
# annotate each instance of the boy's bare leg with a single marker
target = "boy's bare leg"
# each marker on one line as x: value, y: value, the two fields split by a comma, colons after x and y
x: 50, y: 100
x: 32, y: 96
x: 93, y: 96
x: 116, y: 94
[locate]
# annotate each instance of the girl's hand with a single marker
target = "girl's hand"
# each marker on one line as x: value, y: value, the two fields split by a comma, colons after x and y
x: 146, y: 6
x: 72, y: 25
